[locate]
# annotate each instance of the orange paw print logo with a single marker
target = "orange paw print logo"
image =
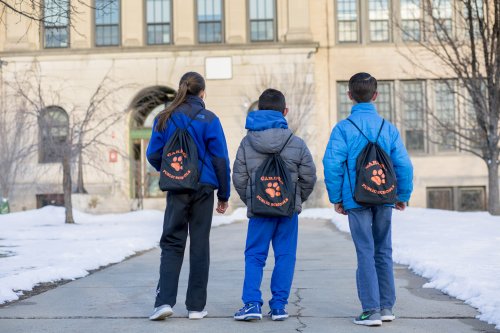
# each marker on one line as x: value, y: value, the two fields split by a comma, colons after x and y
x: 273, y: 190
x: 378, y: 177
x: 177, y: 163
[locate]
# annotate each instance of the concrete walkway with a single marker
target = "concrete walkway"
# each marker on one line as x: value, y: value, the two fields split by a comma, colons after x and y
x: 119, y: 298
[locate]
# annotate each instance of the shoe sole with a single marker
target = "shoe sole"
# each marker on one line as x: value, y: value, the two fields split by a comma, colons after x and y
x: 197, y: 316
x: 162, y: 315
x: 279, y: 317
x: 388, y: 318
x: 368, y: 322
x: 248, y: 317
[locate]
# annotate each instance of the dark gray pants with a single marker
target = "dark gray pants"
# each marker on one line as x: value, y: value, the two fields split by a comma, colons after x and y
x: 186, y: 213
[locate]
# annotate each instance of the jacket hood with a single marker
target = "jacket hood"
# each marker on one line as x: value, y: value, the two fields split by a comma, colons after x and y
x: 267, y: 131
x: 265, y: 119
x: 268, y: 141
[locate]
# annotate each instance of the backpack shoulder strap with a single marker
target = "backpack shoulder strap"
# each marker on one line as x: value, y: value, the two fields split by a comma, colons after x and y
x: 360, y: 131
x: 380, y: 130
x: 286, y: 143
x: 190, y: 119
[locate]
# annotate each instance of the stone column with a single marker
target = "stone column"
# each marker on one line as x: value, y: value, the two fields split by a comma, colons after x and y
x: 236, y: 21
x: 183, y: 22
x: 132, y: 23
x: 299, y: 28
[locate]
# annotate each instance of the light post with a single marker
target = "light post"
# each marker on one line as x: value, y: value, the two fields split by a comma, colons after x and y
x: 4, y: 202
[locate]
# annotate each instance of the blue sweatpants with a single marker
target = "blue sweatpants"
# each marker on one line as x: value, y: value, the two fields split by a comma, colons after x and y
x: 282, y: 232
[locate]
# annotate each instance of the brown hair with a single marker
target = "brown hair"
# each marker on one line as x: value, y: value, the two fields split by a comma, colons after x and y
x: 191, y: 83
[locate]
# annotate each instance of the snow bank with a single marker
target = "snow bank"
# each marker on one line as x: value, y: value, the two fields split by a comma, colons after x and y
x: 458, y: 252
x: 36, y: 246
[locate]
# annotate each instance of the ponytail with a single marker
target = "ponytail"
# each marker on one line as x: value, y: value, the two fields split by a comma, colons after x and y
x: 191, y: 83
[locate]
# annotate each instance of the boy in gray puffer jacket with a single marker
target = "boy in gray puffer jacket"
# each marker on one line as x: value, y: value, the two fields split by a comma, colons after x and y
x: 268, y: 133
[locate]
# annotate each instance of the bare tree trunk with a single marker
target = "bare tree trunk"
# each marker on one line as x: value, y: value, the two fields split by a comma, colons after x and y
x: 68, y: 205
x: 493, y: 189
x: 79, y: 181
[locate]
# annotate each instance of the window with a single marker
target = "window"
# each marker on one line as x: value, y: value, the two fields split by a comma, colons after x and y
x: 467, y: 198
x: 440, y: 198
x: 471, y: 198
x: 410, y: 20
x: 209, y: 21
x: 56, y: 17
x: 345, y: 104
x: 107, y: 22
x: 384, y: 99
x: 159, y: 21
x: 347, y: 19
x: 413, y: 115
x: 53, y: 125
x: 379, y: 20
x: 262, y: 20
x: 442, y: 12
x: 52, y: 199
x: 475, y: 13
x: 444, y: 102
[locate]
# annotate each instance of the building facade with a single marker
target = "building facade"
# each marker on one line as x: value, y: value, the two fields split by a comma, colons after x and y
x: 307, y: 48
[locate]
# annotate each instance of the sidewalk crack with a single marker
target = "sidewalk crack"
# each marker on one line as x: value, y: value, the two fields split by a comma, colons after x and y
x: 300, y: 308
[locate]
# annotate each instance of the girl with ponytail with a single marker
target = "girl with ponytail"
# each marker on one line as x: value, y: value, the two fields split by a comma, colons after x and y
x: 189, y: 212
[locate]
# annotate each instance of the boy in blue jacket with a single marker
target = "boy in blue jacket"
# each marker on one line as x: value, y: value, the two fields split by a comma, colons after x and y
x: 370, y: 226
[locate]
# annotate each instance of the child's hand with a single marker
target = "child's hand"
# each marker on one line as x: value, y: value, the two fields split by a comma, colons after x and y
x: 339, y: 208
x: 400, y: 205
x: 222, y: 206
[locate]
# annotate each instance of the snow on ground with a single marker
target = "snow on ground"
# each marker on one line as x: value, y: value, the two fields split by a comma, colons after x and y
x: 458, y: 252
x: 36, y: 246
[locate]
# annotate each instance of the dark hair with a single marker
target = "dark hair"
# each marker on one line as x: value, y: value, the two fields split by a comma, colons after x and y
x: 362, y: 87
x: 191, y: 83
x: 272, y: 99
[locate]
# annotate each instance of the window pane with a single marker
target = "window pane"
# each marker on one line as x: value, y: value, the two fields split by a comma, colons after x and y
x: 209, y: 21
x: 53, y: 126
x: 262, y: 20
x: 442, y: 14
x: 384, y: 100
x: 56, y: 15
x: 379, y: 20
x: 107, y: 18
x: 440, y: 198
x: 347, y: 16
x: 413, y: 115
x: 344, y: 102
x: 410, y: 19
x: 158, y: 21
x: 445, y: 114
x: 471, y: 198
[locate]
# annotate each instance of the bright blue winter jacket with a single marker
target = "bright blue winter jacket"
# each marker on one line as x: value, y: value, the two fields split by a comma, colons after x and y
x: 208, y: 135
x: 345, y: 144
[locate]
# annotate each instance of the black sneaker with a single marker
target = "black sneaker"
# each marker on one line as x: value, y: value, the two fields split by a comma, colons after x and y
x: 369, y: 318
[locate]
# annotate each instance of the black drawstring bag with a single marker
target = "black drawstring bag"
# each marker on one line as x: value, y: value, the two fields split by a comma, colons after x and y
x: 376, y: 182
x: 274, y: 195
x: 179, y: 165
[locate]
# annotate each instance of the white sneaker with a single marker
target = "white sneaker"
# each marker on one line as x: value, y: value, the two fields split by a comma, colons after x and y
x: 161, y: 312
x: 197, y: 314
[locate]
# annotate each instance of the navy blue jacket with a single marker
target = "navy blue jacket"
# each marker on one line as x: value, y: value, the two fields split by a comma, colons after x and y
x: 208, y: 135
x: 345, y: 144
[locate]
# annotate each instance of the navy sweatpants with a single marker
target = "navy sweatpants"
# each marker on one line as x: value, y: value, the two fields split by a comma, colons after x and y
x: 282, y: 233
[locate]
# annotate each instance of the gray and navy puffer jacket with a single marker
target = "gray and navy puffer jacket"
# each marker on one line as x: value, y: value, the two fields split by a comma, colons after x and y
x: 267, y: 134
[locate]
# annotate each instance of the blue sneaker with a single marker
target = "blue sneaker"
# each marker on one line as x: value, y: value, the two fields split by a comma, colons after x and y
x: 251, y: 311
x: 278, y: 314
